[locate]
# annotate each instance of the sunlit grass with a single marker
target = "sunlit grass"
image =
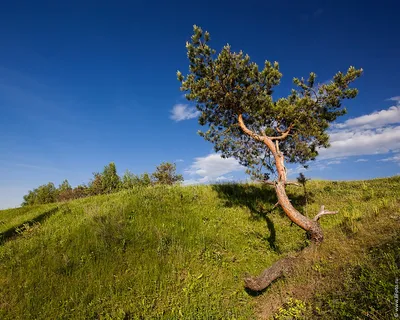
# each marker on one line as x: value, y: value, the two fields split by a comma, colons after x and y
x: 172, y: 252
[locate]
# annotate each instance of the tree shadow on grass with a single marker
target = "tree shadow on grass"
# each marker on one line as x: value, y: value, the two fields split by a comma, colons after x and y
x: 261, y: 200
x: 15, y: 231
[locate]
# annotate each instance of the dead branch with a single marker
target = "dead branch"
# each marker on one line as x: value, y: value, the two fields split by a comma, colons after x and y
x: 323, y: 212
x: 274, y: 272
x: 291, y: 183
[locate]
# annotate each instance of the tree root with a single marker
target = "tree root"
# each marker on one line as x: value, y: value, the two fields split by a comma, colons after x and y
x: 285, y: 265
x: 277, y: 270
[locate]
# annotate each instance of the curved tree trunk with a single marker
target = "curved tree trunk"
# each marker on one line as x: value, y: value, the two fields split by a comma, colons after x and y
x: 310, y: 225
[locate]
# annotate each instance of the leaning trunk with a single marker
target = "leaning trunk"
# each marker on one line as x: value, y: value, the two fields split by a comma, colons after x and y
x: 314, y: 230
x: 312, y: 226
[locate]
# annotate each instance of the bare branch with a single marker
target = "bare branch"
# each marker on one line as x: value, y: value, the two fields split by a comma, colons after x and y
x: 323, y: 212
x: 272, y: 183
x: 284, y: 134
x: 248, y: 131
x: 292, y: 183
x: 278, y: 269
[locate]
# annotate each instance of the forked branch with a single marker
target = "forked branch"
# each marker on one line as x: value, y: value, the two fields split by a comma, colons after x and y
x: 284, y: 134
x: 248, y: 131
x: 323, y: 212
x: 287, y: 183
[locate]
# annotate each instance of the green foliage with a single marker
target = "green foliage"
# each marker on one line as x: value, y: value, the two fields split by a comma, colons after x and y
x: 129, y: 180
x: 229, y: 84
x: 46, y: 193
x: 105, y: 182
x: 293, y: 309
x: 64, y: 186
x: 96, y: 185
x: 166, y: 174
x: 65, y: 191
x: 144, y: 180
x: 80, y: 191
x: 110, y: 179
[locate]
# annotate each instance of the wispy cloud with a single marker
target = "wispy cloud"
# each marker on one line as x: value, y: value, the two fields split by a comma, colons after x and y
x: 397, y: 99
x: 360, y: 142
x: 36, y: 167
x: 395, y: 159
x: 182, y: 112
x: 373, y: 120
x: 334, y: 162
x: 361, y: 160
x: 212, y: 168
x: 318, y: 165
x: 298, y: 169
x: 375, y: 133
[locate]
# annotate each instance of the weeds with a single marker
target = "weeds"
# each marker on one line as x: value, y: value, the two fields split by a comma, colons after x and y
x: 181, y: 253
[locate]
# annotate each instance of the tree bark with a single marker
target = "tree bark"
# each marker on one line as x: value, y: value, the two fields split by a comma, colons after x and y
x: 311, y: 226
x: 274, y: 272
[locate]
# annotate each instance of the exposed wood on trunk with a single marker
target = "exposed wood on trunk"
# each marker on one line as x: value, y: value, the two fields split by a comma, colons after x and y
x: 323, y: 212
x: 312, y: 226
x: 277, y: 270
x: 307, y: 224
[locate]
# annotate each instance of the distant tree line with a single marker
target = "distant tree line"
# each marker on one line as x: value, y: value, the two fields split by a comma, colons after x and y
x: 105, y: 182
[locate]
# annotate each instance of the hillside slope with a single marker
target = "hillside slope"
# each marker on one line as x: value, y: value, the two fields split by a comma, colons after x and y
x: 181, y: 252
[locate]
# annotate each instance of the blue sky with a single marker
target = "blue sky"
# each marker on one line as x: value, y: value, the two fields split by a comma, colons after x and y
x: 83, y: 83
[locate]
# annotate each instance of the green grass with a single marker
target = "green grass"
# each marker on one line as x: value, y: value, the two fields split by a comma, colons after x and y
x: 13, y: 218
x: 181, y: 253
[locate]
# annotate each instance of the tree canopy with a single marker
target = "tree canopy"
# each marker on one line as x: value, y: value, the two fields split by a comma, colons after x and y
x: 166, y: 174
x: 234, y: 95
x: 246, y: 121
x: 104, y: 182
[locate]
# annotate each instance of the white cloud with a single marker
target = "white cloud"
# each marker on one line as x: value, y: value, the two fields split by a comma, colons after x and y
x: 361, y: 160
x: 375, y: 119
x: 212, y: 168
x: 395, y: 158
x: 357, y: 142
x: 395, y: 99
x: 179, y: 160
x: 224, y: 179
x: 375, y: 133
x: 296, y: 170
x: 181, y: 112
x: 334, y: 162
x: 189, y: 182
x: 313, y: 166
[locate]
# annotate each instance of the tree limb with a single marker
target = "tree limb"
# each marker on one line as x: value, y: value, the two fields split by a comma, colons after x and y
x: 284, y: 134
x: 323, y: 212
x: 292, y: 183
x: 274, y: 272
x: 248, y: 131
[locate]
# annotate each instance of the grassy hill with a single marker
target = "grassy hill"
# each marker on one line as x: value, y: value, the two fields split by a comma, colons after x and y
x: 181, y: 253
